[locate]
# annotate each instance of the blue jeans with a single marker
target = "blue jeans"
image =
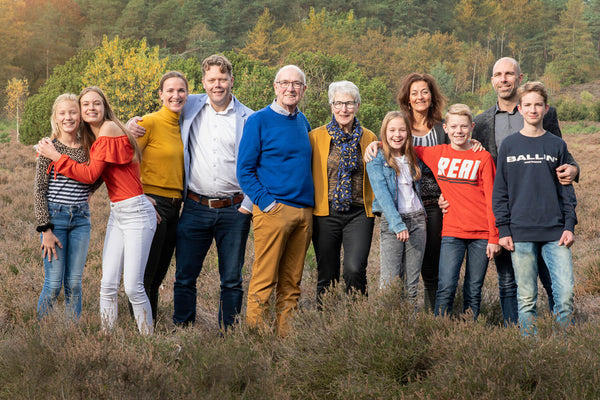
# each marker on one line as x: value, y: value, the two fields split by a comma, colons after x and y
x: 452, y: 254
x: 72, y: 227
x: 507, y: 285
x: 197, y: 228
x: 560, y: 265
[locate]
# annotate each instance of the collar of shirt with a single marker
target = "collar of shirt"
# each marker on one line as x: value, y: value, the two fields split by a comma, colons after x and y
x: 208, y: 106
x: 280, y: 110
x: 498, y: 110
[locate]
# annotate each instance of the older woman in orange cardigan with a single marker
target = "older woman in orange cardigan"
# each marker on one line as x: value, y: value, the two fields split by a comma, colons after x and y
x: 343, y: 196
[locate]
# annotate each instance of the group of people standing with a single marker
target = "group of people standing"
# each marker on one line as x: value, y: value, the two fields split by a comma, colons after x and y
x: 230, y: 166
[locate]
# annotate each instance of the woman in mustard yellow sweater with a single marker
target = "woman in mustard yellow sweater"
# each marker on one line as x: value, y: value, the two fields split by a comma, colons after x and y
x: 162, y: 176
x: 343, y: 194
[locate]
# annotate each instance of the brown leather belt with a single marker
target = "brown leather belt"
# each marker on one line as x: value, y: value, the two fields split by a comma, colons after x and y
x: 218, y: 202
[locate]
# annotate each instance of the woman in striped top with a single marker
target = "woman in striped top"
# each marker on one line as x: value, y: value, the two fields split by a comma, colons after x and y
x: 62, y: 212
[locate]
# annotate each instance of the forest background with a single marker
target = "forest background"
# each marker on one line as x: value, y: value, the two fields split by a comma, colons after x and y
x: 52, y: 46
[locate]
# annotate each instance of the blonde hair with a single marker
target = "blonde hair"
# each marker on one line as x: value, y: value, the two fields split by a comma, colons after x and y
x: 408, y: 150
x: 86, y: 138
x: 61, y: 99
x: 459, y: 109
x: 109, y: 115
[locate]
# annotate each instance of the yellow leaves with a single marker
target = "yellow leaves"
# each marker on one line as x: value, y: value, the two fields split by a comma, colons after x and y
x: 17, y: 91
x: 129, y: 73
x: 265, y: 42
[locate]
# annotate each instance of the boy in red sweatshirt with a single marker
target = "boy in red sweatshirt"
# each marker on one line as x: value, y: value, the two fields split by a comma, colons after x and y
x: 466, y: 179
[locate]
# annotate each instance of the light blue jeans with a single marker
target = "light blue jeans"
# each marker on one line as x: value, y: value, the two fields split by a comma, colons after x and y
x: 403, y: 259
x: 560, y: 265
x: 72, y: 228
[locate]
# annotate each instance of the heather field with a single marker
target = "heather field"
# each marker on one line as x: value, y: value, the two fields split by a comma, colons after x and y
x: 368, y: 348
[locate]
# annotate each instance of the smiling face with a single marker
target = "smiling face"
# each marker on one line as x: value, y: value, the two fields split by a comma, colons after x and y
x: 173, y: 94
x: 459, y: 128
x: 396, y: 134
x: 533, y: 107
x: 92, y: 108
x: 67, y: 117
x: 218, y: 87
x: 344, y: 115
x: 290, y: 96
x: 506, y: 78
x: 419, y: 97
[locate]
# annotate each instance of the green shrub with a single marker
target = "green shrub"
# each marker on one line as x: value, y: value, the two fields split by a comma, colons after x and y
x: 571, y: 110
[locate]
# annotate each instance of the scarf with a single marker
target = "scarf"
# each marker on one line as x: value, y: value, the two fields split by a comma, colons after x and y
x: 349, y: 162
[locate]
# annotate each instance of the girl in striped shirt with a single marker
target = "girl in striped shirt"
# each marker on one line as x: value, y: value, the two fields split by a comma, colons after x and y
x: 62, y: 212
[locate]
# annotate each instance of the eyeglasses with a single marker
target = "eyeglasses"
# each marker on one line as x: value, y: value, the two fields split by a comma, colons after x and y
x: 285, y: 84
x: 350, y: 105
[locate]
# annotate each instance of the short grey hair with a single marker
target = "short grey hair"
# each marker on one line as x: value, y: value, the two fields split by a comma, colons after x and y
x: 343, y: 87
x: 294, y: 67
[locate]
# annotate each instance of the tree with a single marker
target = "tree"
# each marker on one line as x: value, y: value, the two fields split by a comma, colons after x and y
x: 573, y: 55
x: 265, y: 42
x: 64, y: 79
x: 592, y: 13
x: 128, y: 72
x: 11, y: 29
x: 50, y: 37
x: 17, y: 91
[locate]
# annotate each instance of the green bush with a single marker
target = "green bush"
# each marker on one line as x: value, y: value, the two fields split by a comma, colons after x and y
x: 571, y: 110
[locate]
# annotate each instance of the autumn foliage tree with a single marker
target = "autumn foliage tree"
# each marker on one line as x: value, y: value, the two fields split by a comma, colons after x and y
x: 129, y: 73
x: 17, y: 91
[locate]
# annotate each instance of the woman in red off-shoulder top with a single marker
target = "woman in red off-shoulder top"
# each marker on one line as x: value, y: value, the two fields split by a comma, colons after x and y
x: 115, y: 157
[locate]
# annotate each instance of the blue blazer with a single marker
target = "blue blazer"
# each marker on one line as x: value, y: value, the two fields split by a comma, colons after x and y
x: 195, y: 103
x: 383, y: 181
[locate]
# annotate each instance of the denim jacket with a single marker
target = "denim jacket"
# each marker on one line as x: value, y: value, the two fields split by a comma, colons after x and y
x: 385, y: 187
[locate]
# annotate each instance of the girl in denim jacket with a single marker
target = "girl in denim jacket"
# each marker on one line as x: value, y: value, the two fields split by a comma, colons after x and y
x: 394, y: 175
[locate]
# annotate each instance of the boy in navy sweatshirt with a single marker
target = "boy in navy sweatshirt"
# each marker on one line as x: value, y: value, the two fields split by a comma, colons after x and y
x: 533, y: 210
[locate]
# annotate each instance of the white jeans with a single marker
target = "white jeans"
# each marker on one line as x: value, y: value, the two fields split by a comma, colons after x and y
x: 129, y: 234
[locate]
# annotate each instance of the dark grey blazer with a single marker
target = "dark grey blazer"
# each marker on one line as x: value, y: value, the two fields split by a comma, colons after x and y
x: 485, y: 131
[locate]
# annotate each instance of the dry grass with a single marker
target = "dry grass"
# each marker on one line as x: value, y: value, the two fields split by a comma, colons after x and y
x: 368, y: 348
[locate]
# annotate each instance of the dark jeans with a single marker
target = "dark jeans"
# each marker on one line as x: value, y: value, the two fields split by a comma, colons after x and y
x: 163, y: 246
x: 507, y: 285
x: 353, y: 230
x: 452, y: 256
x: 197, y: 228
x: 431, y: 259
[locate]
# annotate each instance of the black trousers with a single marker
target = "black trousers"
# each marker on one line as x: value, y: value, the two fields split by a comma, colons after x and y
x: 353, y: 230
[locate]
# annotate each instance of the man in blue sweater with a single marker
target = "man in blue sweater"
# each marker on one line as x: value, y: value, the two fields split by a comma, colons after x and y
x: 274, y: 170
x: 534, y: 211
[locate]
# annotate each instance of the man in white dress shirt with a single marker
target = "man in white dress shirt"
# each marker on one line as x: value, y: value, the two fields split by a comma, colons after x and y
x: 211, y: 129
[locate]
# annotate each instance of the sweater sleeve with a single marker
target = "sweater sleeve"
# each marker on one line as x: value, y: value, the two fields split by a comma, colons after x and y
x: 247, y: 164
x: 500, y: 197
x: 488, y: 172
x: 105, y: 150
x: 567, y: 194
x: 40, y: 188
x: 382, y: 194
x: 428, y: 154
